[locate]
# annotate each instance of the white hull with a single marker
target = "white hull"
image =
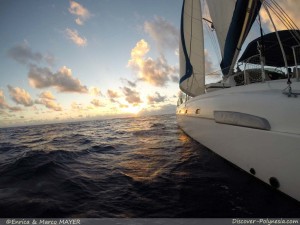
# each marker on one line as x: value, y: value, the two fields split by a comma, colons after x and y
x: 269, y: 153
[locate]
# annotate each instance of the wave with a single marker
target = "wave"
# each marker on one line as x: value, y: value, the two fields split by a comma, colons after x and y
x: 136, y: 167
x: 158, y: 125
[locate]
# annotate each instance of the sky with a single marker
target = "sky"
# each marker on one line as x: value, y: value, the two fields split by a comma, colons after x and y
x: 81, y: 60
x: 69, y: 60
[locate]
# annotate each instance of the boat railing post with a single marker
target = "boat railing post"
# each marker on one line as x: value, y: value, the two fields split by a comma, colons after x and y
x: 279, y: 40
x: 295, y: 59
x: 262, y: 62
x: 245, y: 73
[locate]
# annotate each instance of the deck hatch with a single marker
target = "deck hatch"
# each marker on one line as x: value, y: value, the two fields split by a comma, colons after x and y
x: 241, y: 119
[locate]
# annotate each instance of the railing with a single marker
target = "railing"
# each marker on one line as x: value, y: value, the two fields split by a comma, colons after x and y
x: 253, y: 70
x: 296, y: 52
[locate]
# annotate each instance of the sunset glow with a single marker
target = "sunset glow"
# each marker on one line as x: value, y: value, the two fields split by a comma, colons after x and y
x: 77, y: 60
x: 69, y: 60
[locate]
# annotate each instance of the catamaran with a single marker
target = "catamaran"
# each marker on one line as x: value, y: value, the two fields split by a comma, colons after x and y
x: 252, y: 116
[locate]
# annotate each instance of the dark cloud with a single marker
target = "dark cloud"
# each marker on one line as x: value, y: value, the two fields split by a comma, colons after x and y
x: 62, y: 80
x: 129, y: 83
x: 23, y: 54
x: 157, y: 98
x: 131, y: 96
x: 112, y: 95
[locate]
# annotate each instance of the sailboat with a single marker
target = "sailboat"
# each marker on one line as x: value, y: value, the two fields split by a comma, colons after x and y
x: 252, y: 116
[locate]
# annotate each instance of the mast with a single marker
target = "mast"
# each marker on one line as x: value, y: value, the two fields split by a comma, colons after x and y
x: 232, y: 20
x: 249, y: 19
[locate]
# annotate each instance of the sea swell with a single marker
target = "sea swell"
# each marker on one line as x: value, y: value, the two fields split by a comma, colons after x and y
x: 134, y: 167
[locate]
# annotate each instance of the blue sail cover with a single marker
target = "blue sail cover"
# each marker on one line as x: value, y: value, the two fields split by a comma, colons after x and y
x: 272, y: 48
x: 238, y: 30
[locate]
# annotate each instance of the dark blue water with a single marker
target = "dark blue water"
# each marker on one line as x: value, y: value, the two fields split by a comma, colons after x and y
x: 136, y: 167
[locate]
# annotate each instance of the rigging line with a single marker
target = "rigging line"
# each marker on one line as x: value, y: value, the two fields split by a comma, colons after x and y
x: 208, y: 21
x: 290, y: 21
x: 211, y: 34
x: 280, y: 13
x: 283, y: 19
x: 218, y: 52
x: 213, y: 42
x: 288, y: 25
x: 286, y: 15
x: 216, y: 46
x: 258, y: 21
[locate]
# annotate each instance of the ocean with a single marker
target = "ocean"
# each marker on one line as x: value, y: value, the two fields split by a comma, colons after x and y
x: 143, y: 167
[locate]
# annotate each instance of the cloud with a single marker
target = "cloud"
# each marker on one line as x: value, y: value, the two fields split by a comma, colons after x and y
x: 157, y: 98
x: 174, y: 78
x: 47, y: 95
x: 155, y: 72
x: 62, y: 80
x: 95, y: 91
x: 128, y: 82
x: 291, y: 7
x: 80, y: 11
x: 47, y: 99
x: 50, y: 104
x: 164, y: 33
x: 75, y: 37
x: 138, y: 53
x: 168, y: 109
x: 164, y: 109
x: 96, y: 103
x: 76, y: 106
x: 122, y: 105
x: 208, y: 63
x: 23, y: 54
x: 50, y: 59
x: 20, y: 96
x: 131, y: 96
x: 112, y: 95
x: 5, y: 105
